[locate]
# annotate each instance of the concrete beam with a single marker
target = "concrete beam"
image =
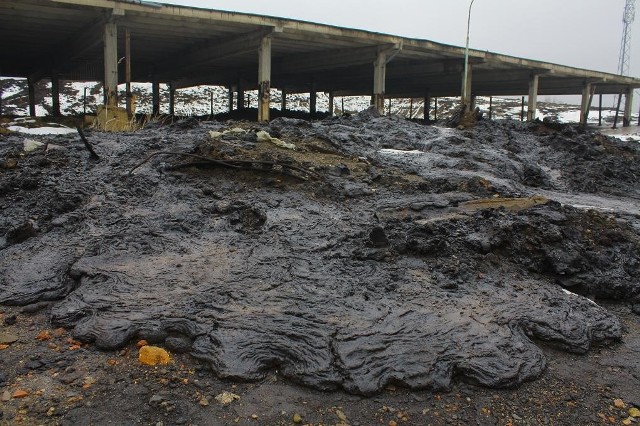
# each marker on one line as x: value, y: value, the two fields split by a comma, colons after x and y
x: 110, y: 38
x: 211, y: 51
x: 75, y: 46
x: 264, y: 78
x: 628, y: 102
x: 326, y: 60
x: 533, y: 97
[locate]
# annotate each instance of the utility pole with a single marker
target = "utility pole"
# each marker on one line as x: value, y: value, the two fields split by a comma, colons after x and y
x: 465, y: 89
x: 624, y: 60
x: 625, y: 46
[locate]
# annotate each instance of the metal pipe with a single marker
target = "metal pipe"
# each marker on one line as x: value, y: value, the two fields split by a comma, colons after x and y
x: 466, y: 57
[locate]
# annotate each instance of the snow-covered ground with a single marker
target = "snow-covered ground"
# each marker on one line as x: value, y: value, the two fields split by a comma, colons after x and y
x: 82, y: 97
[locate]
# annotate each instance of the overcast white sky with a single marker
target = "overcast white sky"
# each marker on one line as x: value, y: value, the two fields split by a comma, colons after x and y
x: 581, y: 33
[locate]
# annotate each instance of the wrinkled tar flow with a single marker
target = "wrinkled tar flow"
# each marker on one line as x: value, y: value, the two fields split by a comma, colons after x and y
x: 378, y: 273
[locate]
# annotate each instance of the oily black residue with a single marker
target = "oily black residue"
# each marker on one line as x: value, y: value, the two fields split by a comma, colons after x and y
x: 373, y: 275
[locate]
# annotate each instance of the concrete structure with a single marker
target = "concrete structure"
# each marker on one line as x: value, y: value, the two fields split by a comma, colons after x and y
x: 133, y: 40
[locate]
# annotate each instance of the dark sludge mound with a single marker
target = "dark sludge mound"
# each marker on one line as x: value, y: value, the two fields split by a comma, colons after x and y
x: 358, y: 280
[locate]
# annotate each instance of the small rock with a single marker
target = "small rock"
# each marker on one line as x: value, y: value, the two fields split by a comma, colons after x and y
x: 226, y: 398
x: 393, y: 423
x: 34, y: 307
x: 53, y: 147
x: 153, y: 355
x: 8, y: 338
x: 9, y: 163
x: 30, y: 145
x: 204, y: 401
x: 22, y: 232
x: 254, y: 416
x: 51, y: 411
x: 619, y: 403
x: 155, y: 399
x: 341, y: 416
x: 297, y: 418
x: 142, y: 343
x: 44, y: 335
x: 20, y: 394
x: 634, y: 412
x: 178, y: 344
x: 6, y: 396
x: 378, y: 237
x: 627, y: 421
x: 516, y: 417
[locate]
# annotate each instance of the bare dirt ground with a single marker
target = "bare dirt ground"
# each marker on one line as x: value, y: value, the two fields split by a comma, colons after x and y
x: 381, y: 272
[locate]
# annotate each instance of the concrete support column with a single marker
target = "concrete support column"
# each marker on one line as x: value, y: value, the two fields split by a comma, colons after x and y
x: 230, y: 99
x: 626, y: 119
x: 172, y: 100
x: 600, y: 111
x: 283, y: 107
x: 533, y: 97
x: 32, y: 97
x: 110, y: 39
x: 379, y: 81
x: 331, y: 104
x: 490, y: 107
x: 127, y: 72
x: 467, y: 101
x: 55, y: 95
x: 240, y: 99
x: 585, y: 104
x: 264, y: 79
x: 427, y: 106
x: 155, y: 96
x: 313, y: 101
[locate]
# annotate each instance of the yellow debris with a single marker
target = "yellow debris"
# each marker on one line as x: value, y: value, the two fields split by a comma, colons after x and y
x: 226, y: 398
x: 634, y: 412
x: 515, y: 204
x: 153, y: 355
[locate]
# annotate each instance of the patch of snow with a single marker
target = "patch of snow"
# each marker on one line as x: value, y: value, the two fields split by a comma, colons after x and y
x: 399, y: 152
x: 565, y: 291
x: 42, y: 130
